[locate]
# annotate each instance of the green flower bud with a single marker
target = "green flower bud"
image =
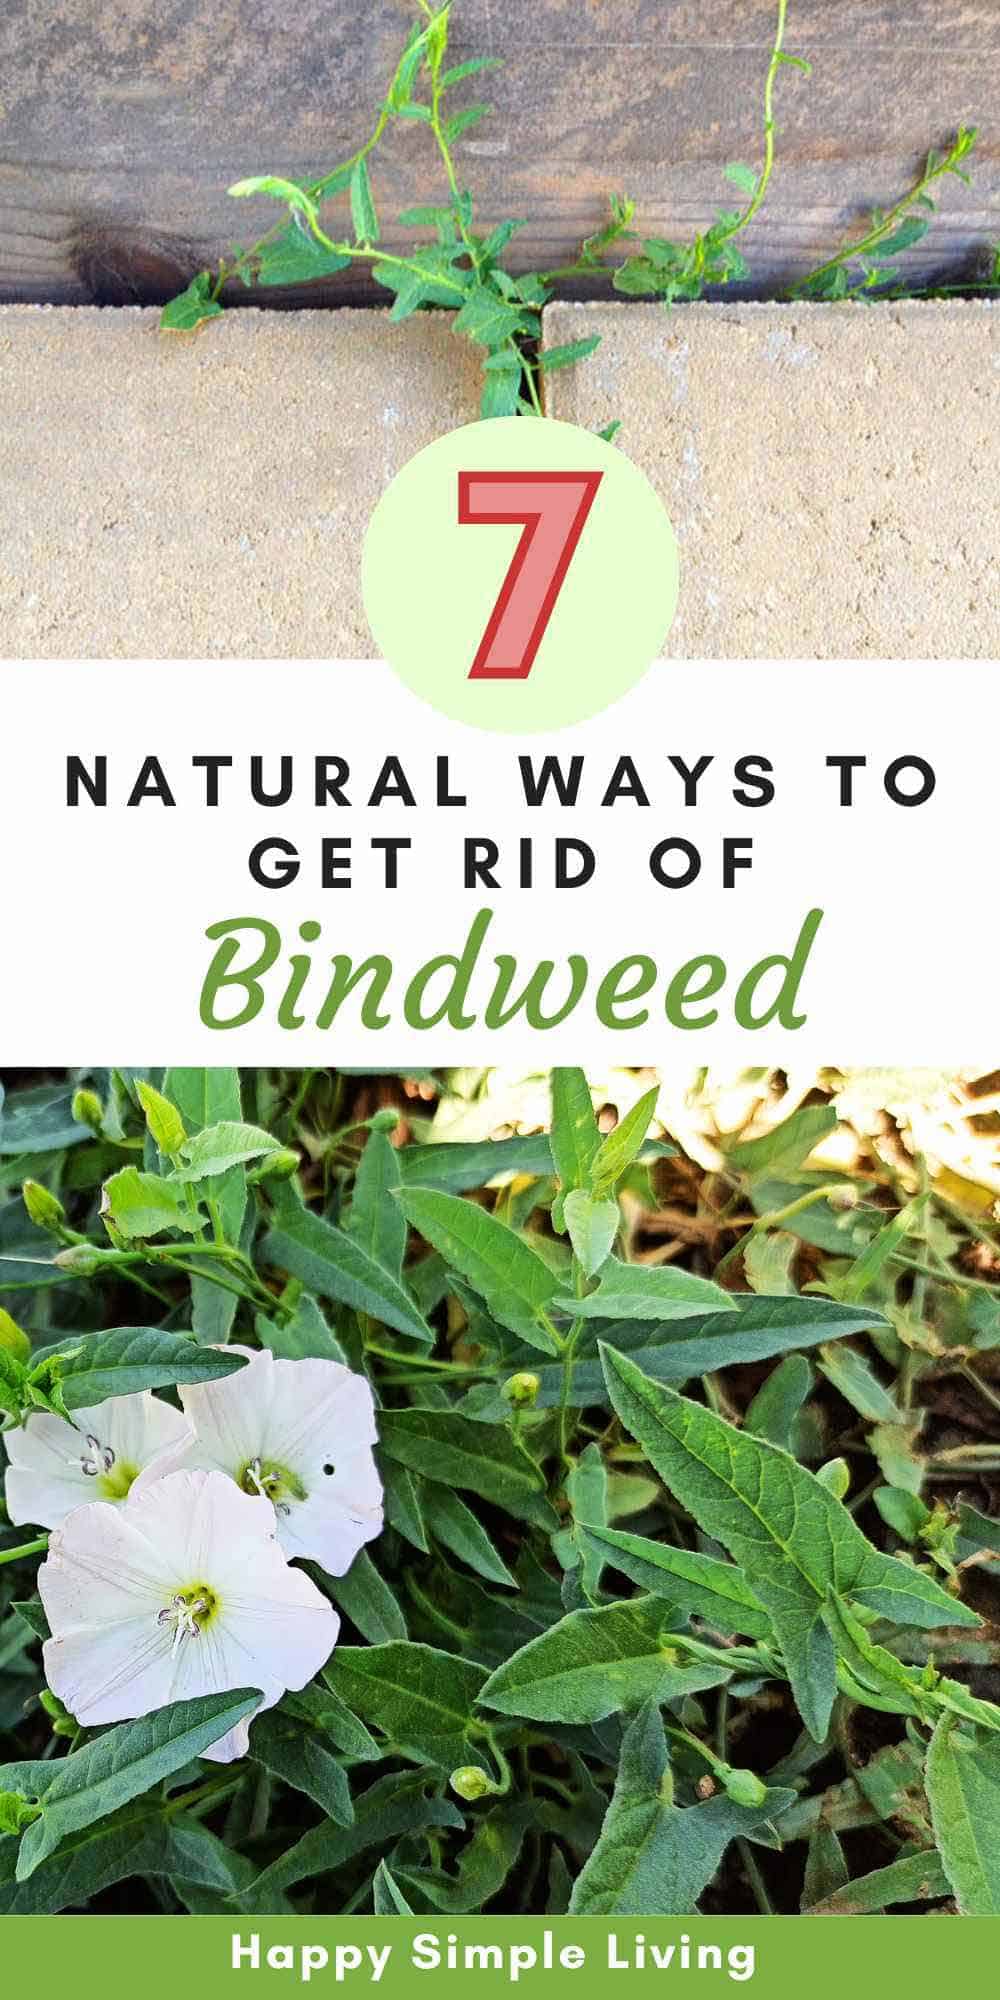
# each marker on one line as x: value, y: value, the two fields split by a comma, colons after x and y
x: 12, y: 1339
x: 743, y: 1787
x: 88, y: 1110
x: 82, y: 1259
x: 163, y: 1120
x: 521, y: 1391
x: 471, y: 1782
x: 384, y: 1121
x: 45, y: 1209
x: 63, y: 1723
x: 276, y: 1166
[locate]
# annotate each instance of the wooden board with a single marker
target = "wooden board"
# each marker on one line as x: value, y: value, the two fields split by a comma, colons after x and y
x: 122, y: 123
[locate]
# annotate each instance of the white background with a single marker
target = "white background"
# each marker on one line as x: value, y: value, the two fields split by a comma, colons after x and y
x: 104, y: 912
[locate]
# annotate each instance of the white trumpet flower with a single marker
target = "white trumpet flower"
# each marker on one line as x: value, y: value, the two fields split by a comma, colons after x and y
x: 55, y: 1466
x: 300, y: 1433
x: 181, y: 1591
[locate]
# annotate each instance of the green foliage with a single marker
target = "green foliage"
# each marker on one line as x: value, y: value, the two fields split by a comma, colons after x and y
x: 461, y: 269
x: 963, y: 1790
x: 611, y: 1633
x: 652, y: 1857
x: 121, y: 1764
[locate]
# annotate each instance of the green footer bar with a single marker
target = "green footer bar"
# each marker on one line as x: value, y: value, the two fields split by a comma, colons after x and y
x: 573, y: 1956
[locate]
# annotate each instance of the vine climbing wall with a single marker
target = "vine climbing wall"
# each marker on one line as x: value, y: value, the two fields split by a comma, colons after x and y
x: 122, y: 123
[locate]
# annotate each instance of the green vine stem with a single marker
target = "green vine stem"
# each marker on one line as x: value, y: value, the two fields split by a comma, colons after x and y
x: 463, y: 269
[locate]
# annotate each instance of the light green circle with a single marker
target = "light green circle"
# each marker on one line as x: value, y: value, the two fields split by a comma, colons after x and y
x: 430, y: 583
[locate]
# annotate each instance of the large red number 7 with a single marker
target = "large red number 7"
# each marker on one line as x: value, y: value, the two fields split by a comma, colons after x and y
x: 552, y: 508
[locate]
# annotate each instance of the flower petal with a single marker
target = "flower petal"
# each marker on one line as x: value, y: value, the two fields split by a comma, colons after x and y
x: 228, y: 1416
x: 110, y: 1673
x: 101, y: 1569
x: 341, y: 1512
x: 46, y: 1477
x: 316, y: 1409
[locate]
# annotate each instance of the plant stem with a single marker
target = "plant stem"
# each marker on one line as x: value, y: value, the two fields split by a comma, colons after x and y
x: 777, y: 58
x: 755, y: 1879
x: 776, y: 1217
x: 934, y: 170
x: 35, y: 1548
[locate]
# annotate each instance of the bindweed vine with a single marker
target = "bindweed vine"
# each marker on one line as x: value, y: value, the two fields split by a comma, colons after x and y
x: 463, y: 270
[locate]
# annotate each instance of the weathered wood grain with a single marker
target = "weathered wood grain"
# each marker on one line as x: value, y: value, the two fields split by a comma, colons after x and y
x: 122, y: 122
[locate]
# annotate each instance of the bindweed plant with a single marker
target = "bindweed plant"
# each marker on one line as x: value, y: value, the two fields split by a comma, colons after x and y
x: 538, y: 1522
x: 333, y: 221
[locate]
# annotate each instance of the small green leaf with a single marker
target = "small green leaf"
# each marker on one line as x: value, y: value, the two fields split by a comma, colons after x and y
x: 575, y: 1138
x: 479, y: 1458
x: 564, y: 356
x: 296, y: 258
x: 387, y: 1896
x: 217, y: 1148
x: 695, y: 1583
x: 775, y: 1410
x: 163, y: 1120
x: 376, y: 1221
x: 882, y: 1247
x: 742, y: 177
x: 456, y: 1168
x: 306, y: 1336
x: 363, y: 214
x: 457, y: 1528
x: 210, y: 1097
x: 139, y: 1205
x: 486, y: 317
x: 16, y: 1812
x: 473, y: 66
x: 419, y: 1698
x: 595, y: 1663
x: 916, y: 1878
x: 278, y: 190
x: 787, y: 1148
x: 484, y: 1864
x: 392, y: 1807
x: 623, y: 1145
x: 337, y: 1267
x: 587, y: 1493
x: 859, y: 1385
x: 768, y: 1260
x: 463, y: 120
x: 515, y: 1284
x: 320, y: 1709
x: 365, y: 1598
x: 185, y: 313
x: 593, y: 1226
x: 649, y: 1291
x: 911, y: 230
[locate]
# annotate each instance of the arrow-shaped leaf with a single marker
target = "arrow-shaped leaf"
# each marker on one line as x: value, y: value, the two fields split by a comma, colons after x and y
x: 791, y: 1537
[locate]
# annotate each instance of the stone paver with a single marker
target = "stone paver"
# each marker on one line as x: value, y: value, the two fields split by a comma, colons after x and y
x: 165, y: 496
x: 832, y: 472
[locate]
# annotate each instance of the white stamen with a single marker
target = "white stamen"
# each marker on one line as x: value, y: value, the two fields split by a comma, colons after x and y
x: 183, y: 1617
x: 97, y: 1458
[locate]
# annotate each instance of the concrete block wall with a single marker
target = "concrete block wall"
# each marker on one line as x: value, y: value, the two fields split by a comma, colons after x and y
x: 832, y: 472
